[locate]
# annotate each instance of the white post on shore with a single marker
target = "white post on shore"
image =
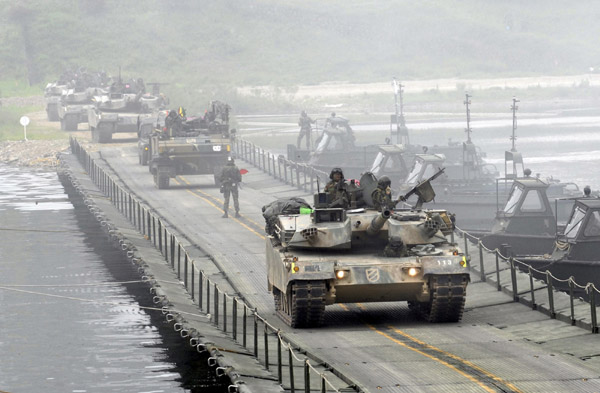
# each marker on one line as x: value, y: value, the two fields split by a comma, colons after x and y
x: 24, y: 122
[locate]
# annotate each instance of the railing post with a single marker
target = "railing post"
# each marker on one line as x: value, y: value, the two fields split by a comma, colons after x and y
x: 216, y: 305
x: 255, y: 334
x: 306, y: 376
x: 234, y: 317
x: 571, y: 295
x: 266, y: 336
x: 592, y: 290
x: 185, y: 271
x: 244, y: 326
x: 224, y: 312
x: 200, y: 288
x: 279, y: 361
x: 513, y: 278
x: 499, y: 287
x: 291, y: 366
x: 323, y: 384
x: 193, y: 286
x: 481, y: 267
x: 207, y: 295
x: 550, y: 294
x: 533, y: 305
x: 466, y: 245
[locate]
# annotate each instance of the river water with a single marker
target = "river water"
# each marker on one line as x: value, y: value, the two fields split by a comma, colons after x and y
x: 70, y: 322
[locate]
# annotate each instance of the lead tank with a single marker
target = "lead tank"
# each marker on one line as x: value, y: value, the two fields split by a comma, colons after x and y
x: 318, y: 256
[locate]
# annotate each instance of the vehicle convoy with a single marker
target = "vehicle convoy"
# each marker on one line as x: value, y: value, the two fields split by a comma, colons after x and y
x: 320, y: 256
x: 191, y: 146
x: 126, y: 107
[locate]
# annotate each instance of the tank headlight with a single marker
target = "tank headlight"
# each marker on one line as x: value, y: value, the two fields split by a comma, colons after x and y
x: 455, y: 252
x: 228, y: 148
x: 295, y: 268
x: 146, y: 148
x: 413, y: 271
x: 340, y: 274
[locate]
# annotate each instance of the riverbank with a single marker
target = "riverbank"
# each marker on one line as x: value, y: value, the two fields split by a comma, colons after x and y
x: 32, y: 153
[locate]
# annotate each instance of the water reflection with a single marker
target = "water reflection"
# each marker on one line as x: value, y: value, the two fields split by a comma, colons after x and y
x: 73, y: 327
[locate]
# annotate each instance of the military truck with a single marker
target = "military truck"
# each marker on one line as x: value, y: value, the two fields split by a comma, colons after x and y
x: 191, y: 146
x: 318, y: 256
x: 125, y: 108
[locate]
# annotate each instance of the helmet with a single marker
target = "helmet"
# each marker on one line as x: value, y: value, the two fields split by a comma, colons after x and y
x: 527, y: 172
x: 332, y: 114
x: 303, y: 113
x: 230, y: 160
x: 587, y: 191
x: 336, y: 170
x: 384, y: 181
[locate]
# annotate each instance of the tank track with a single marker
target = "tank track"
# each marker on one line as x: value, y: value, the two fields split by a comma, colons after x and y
x: 447, y: 302
x: 304, y: 304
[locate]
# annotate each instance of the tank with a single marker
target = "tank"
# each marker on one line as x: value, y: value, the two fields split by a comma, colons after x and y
x: 52, y: 94
x: 125, y: 107
x: 198, y: 146
x: 318, y: 256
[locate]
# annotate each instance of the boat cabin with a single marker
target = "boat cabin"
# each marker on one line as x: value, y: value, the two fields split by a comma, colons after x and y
x: 582, y: 233
x: 527, y: 210
x: 390, y: 161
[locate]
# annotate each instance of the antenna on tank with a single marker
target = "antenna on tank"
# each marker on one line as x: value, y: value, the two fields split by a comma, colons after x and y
x: 513, y: 137
x: 468, y: 129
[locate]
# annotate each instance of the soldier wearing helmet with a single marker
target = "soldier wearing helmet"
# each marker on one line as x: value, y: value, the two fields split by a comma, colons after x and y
x: 304, y: 122
x: 230, y: 177
x: 336, y: 188
x: 382, y: 195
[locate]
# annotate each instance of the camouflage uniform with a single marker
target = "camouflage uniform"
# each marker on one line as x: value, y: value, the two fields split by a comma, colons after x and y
x: 304, y: 122
x: 337, y: 190
x: 230, y: 177
x: 382, y: 196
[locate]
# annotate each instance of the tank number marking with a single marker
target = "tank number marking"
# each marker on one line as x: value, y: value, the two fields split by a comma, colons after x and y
x: 445, y: 262
x: 312, y: 268
x: 217, y: 148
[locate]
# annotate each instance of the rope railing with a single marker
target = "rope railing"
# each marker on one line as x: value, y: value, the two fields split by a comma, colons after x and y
x: 547, y: 277
x: 296, y: 174
x: 218, y: 305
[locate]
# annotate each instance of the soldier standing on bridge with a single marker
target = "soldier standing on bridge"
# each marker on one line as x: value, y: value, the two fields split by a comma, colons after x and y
x: 304, y: 122
x: 230, y: 177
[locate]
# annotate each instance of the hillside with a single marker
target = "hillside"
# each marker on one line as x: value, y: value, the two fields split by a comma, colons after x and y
x: 216, y: 45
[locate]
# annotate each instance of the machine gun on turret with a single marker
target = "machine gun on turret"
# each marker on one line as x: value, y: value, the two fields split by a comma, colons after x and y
x: 423, y: 190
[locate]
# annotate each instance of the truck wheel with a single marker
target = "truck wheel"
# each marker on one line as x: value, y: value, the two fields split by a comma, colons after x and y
x: 105, y: 131
x: 70, y: 123
x: 161, y: 180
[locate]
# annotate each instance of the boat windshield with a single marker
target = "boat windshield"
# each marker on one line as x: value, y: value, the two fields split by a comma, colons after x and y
x: 592, y: 229
x: 574, y: 223
x: 533, y: 202
x: 323, y: 142
x: 415, y: 174
x: 377, y: 163
x: 514, y: 198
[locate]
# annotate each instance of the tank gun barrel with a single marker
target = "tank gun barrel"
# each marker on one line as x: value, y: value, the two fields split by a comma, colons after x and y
x: 377, y: 222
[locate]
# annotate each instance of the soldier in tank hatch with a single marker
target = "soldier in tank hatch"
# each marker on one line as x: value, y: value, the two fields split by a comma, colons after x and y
x: 336, y: 188
x: 382, y: 195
